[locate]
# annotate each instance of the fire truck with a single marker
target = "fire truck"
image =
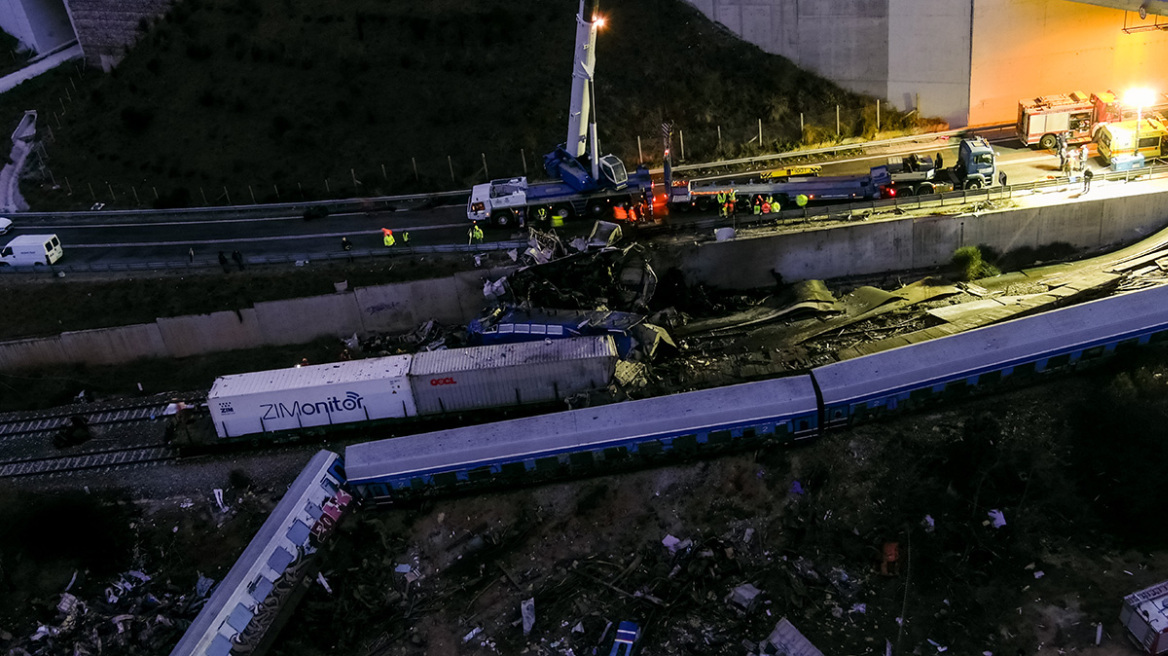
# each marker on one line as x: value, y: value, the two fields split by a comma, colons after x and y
x: 1041, y: 120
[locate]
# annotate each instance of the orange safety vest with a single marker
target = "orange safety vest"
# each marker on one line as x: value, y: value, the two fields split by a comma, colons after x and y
x: 619, y: 212
x: 766, y: 208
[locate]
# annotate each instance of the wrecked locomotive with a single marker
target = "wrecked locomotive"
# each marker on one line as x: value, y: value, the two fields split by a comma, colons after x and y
x: 778, y: 411
x: 315, y: 399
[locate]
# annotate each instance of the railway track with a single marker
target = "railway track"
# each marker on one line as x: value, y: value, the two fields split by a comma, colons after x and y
x: 20, y: 424
x: 65, y: 464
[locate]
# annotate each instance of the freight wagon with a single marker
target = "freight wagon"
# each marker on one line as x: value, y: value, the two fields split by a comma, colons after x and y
x: 318, y: 398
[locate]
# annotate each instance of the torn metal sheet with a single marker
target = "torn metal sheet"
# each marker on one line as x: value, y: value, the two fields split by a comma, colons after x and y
x: 788, y: 640
x: 807, y: 297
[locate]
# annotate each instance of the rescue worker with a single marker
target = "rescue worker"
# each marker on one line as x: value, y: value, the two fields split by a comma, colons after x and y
x: 223, y: 262
x: 801, y: 200
x: 405, y: 237
x: 732, y: 203
x: 387, y: 237
x: 757, y: 206
x: 775, y: 207
x: 541, y: 214
x: 721, y: 204
x: 346, y: 244
x: 557, y: 218
x: 619, y: 212
x: 632, y: 213
x: 765, y: 205
x: 475, y: 234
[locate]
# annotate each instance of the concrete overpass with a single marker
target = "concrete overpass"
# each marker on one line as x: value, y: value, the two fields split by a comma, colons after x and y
x: 968, y: 61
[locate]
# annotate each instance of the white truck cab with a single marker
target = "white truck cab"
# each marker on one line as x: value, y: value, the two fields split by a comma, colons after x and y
x: 31, y: 250
x: 494, y: 201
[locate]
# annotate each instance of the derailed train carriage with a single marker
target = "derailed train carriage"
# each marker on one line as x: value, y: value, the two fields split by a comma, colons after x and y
x: 316, y: 399
x: 607, y: 438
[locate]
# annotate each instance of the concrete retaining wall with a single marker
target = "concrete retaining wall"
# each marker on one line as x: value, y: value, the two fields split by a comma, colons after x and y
x: 876, y: 247
x: 207, y: 333
x: 384, y: 308
x: 114, y: 345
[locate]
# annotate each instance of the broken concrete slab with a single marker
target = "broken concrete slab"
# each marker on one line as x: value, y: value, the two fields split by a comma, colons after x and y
x: 744, y: 597
x: 786, y: 639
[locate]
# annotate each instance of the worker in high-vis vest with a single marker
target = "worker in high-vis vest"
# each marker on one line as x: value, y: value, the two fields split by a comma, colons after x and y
x: 732, y: 203
x: 757, y: 205
x: 619, y: 212
x: 721, y: 203
x: 775, y: 206
x: 387, y: 237
x: 557, y: 218
x: 801, y: 200
x: 475, y: 234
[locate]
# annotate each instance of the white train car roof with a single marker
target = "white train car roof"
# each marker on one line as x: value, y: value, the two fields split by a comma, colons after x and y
x: 352, y: 371
x: 232, y: 603
x: 736, y: 404
x: 497, y: 356
x: 994, y: 347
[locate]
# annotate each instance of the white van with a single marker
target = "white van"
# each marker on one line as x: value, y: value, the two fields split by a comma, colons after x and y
x: 30, y: 250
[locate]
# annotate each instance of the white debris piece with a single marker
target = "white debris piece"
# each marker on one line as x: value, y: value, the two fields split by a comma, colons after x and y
x: 219, y: 500
x: 323, y: 582
x: 724, y: 234
x: 527, y: 608
x: 474, y: 632
x: 787, y: 640
x: 940, y: 649
x: 670, y: 543
x: 997, y: 518
x: 928, y: 523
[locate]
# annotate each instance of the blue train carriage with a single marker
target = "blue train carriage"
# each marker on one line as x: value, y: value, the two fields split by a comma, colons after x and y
x: 246, y: 608
x: 1015, y: 351
x: 577, y: 442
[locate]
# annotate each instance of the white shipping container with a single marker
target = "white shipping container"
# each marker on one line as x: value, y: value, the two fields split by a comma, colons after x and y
x: 315, y: 395
x: 503, y: 375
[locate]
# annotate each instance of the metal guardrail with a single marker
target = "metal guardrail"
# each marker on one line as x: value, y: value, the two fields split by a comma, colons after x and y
x: 350, y: 205
x: 258, y: 260
x: 862, y: 145
x: 840, y: 211
x: 833, y: 212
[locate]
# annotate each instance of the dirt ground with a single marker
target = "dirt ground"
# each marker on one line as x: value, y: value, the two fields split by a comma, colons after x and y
x: 590, y: 552
x: 1072, y: 465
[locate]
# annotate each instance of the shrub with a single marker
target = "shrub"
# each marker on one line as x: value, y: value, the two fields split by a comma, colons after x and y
x: 969, y: 264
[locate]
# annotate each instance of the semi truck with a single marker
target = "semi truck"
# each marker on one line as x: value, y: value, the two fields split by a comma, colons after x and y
x: 585, y: 183
x: 915, y: 174
x: 919, y: 175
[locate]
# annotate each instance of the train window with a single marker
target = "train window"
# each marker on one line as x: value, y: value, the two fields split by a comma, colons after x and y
x: 803, y: 426
x: 1127, y: 345
x: 479, y: 474
x: 748, y: 433
x: 1091, y: 353
x: 615, y: 453
x: 1159, y: 337
x: 329, y: 486
x: 1023, y: 370
x: 989, y: 378
x: 580, y: 461
x: 1058, y: 361
x: 417, y: 483
x: 718, y: 437
x: 685, y: 442
x: 446, y: 479
x: 547, y: 464
x: 513, y: 469
x: 650, y: 449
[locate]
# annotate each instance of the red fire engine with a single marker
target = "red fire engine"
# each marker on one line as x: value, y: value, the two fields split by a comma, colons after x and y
x: 1040, y: 120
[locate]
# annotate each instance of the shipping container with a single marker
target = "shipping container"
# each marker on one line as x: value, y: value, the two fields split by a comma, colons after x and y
x: 503, y: 375
x: 1146, y: 619
x: 310, y: 396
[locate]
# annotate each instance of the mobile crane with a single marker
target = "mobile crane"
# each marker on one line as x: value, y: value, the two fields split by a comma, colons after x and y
x: 589, y: 184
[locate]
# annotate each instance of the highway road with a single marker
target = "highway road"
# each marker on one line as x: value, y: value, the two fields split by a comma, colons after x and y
x: 99, y: 239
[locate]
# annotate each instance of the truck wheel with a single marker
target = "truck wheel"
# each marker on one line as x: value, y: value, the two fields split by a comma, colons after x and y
x: 502, y: 218
x: 703, y: 203
x: 598, y: 209
x: 565, y: 211
x: 926, y: 190
x: 1048, y: 141
x: 973, y: 184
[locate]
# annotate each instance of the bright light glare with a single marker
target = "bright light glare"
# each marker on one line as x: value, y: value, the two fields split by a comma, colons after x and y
x: 1141, y: 97
x: 599, y: 22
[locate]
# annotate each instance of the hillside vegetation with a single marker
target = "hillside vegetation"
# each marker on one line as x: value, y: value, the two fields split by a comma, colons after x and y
x: 291, y: 99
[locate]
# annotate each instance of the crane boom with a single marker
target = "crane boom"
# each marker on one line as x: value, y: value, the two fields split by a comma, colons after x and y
x: 581, y: 122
